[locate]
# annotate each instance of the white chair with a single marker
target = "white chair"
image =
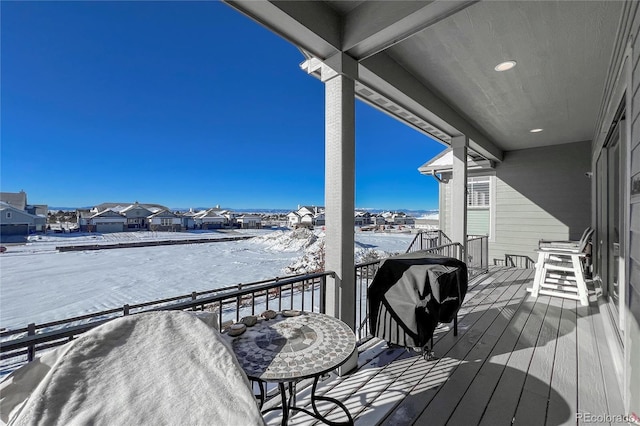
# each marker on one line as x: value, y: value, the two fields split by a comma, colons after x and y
x: 560, y: 270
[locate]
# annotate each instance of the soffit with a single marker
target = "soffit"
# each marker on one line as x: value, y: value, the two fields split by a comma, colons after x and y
x: 562, y: 50
x: 435, y: 60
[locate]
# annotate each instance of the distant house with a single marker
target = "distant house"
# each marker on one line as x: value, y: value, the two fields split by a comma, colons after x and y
x: 83, y: 217
x: 17, y: 200
x: 210, y: 219
x: 293, y: 219
x: 362, y: 218
x: 106, y: 221
x: 164, y: 220
x: 132, y: 217
x: 249, y: 221
x: 188, y: 221
x: 307, y: 216
x: 20, y: 218
x: 137, y: 215
x: 401, y: 218
x: 378, y: 220
x: 117, y: 207
x: 14, y: 221
x: 319, y: 219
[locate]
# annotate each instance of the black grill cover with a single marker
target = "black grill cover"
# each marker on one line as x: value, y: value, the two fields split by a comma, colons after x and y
x: 411, y: 293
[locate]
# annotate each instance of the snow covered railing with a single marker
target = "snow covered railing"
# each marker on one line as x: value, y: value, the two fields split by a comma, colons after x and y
x: 304, y: 292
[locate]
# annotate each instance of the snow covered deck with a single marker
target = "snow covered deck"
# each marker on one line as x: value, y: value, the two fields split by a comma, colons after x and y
x: 531, y: 361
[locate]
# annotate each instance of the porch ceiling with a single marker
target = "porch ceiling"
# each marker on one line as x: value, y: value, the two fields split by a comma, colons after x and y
x: 435, y: 60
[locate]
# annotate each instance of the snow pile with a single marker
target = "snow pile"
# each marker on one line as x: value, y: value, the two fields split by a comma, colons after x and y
x: 152, y: 368
x: 311, y: 261
x: 313, y: 258
x: 287, y: 241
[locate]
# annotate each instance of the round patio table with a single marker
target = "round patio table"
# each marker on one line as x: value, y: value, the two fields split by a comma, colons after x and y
x: 287, y: 349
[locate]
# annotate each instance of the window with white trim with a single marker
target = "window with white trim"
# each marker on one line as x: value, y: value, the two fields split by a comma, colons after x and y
x: 166, y: 221
x: 478, y: 191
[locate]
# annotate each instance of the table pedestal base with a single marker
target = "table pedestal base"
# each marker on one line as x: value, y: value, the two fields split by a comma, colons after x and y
x: 288, y: 404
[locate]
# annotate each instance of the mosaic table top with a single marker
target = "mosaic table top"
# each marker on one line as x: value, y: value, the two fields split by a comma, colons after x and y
x: 292, y: 348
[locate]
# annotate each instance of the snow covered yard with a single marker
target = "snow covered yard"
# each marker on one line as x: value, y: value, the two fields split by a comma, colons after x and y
x: 39, y: 284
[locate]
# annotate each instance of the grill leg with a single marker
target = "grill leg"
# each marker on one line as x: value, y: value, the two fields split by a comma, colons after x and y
x: 455, y: 325
x: 427, y: 352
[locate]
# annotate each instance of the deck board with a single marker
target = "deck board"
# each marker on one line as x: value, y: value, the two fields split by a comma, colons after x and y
x: 535, y: 395
x: 366, y: 404
x: 451, y: 349
x: 473, y: 404
x: 516, y: 360
x: 478, y: 347
x: 592, y: 398
x: 565, y: 369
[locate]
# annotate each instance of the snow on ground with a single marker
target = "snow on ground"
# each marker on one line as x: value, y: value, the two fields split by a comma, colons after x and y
x: 39, y: 284
x: 431, y: 216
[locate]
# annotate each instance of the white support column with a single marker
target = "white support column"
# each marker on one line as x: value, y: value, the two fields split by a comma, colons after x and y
x: 459, y: 144
x: 340, y: 190
x: 340, y: 185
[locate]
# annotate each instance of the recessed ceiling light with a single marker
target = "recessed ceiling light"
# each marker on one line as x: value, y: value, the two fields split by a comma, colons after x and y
x: 504, y: 66
x: 536, y: 130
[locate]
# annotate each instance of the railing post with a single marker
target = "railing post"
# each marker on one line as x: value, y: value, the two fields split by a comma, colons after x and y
x: 125, y: 310
x: 194, y: 296
x: 31, y: 350
x: 323, y: 290
x: 238, y: 300
x: 485, y: 258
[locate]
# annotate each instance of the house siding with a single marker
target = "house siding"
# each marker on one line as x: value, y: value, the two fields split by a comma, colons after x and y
x: 528, y: 211
x: 633, y: 297
x: 478, y: 221
x: 628, y: 79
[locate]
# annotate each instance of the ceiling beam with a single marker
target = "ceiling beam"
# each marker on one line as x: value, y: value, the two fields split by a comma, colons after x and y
x: 384, y: 75
x: 311, y: 25
x: 377, y: 25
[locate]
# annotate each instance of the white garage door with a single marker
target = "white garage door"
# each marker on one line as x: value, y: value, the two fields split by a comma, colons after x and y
x: 109, y: 227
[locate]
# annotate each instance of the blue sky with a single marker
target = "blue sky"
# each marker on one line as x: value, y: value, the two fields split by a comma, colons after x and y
x: 181, y: 104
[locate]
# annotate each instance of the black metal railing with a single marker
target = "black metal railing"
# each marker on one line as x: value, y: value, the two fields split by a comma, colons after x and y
x: 519, y: 261
x: 427, y: 240
x: 477, y: 259
x: 304, y: 292
x: 477, y: 256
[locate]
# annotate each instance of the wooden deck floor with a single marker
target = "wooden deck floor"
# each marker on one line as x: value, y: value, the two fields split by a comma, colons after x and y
x: 516, y: 360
